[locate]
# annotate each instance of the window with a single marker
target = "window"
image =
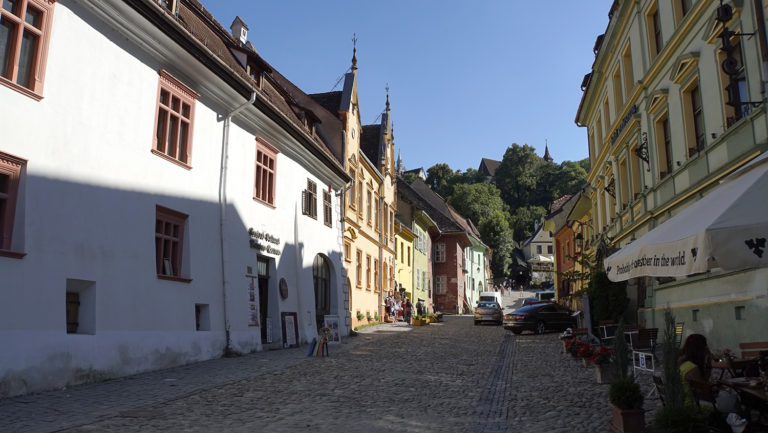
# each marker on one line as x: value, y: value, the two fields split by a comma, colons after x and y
x: 441, y: 284
x: 385, y: 223
x: 368, y: 271
x: 347, y: 252
x: 376, y: 274
x: 359, y: 268
x: 264, y: 187
x: 538, y: 249
x: 327, y: 213
x: 352, y: 190
x: 202, y: 317
x: 368, y: 204
x: 549, y: 249
x: 617, y: 92
x: 377, y: 223
x: 694, y: 119
x: 623, y: 184
x: 392, y: 225
x: 175, y: 118
x: 606, y: 117
x: 360, y: 194
x: 24, y: 33
x: 385, y: 274
x: 440, y: 252
x: 653, y: 22
x: 626, y: 70
x: 734, y: 85
x: 681, y: 9
x: 169, y: 241
x: 10, y: 173
x: 663, y: 146
x: 635, y: 174
x: 598, y: 136
x: 409, y: 256
x: 309, y: 200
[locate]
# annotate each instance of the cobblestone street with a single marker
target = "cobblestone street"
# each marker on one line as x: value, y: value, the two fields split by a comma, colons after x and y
x: 447, y: 377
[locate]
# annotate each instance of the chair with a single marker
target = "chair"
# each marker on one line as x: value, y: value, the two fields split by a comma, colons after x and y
x: 679, y: 333
x: 703, y: 392
x: 645, y: 340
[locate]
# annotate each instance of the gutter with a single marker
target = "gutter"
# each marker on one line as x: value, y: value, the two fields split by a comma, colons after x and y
x: 228, y: 350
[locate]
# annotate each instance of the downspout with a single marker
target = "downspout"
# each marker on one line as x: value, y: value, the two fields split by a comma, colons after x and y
x: 228, y: 351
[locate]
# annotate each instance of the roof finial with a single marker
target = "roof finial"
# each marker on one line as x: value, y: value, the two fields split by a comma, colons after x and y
x: 354, y: 51
x: 387, y: 89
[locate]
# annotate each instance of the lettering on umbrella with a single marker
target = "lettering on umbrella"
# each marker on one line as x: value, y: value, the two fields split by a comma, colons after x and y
x: 756, y: 245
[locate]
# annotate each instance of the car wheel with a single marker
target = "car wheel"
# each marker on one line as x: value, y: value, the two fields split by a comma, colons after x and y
x: 476, y: 322
x: 517, y: 331
x: 540, y: 328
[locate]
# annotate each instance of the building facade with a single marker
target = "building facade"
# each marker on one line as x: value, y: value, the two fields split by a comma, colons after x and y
x: 180, y: 225
x: 673, y: 104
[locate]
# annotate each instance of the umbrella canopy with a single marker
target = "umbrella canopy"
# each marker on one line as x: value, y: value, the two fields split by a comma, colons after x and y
x: 540, y: 259
x: 727, y: 228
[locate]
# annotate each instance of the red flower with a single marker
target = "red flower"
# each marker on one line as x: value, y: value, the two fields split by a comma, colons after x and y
x: 602, y: 356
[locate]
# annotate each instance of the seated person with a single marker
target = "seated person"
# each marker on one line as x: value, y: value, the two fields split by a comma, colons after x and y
x: 695, y: 364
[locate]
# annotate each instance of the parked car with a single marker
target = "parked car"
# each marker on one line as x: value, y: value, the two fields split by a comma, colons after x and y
x: 531, y: 301
x: 488, y: 312
x: 539, y: 317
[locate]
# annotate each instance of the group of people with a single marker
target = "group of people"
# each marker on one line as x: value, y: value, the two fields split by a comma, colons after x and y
x: 398, y: 308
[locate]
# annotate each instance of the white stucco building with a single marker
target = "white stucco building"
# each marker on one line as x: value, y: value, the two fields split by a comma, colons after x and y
x: 151, y: 215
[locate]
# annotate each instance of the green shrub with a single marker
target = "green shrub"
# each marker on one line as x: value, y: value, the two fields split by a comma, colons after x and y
x: 680, y: 419
x: 360, y: 315
x: 625, y: 394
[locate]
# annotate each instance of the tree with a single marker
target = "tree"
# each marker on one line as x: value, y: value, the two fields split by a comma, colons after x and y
x: 477, y: 201
x: 523, y: 219
x: 438, y: 177
x: 497, y: 235
x: 409, y: 177
x: 516, y: 175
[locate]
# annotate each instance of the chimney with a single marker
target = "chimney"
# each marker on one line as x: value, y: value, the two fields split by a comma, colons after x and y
x: 239, y: 29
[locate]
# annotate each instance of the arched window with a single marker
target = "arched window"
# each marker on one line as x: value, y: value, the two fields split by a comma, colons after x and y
x: 321, y: 276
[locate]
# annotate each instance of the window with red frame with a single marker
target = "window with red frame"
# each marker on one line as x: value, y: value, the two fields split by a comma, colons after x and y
x: 169, y: 241
x: 266, y: 168
x: 24, y: 34
x: 10, y: 172
x: 175, y: 119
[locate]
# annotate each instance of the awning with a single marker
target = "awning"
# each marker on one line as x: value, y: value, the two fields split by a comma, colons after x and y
x: 726, y: 229
x: 540, y: 259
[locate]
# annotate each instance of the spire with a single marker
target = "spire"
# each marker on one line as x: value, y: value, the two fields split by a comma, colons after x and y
x: 354, y: 51
x: 387, y: 89
x: 399, y: 164
x: 547, y: 157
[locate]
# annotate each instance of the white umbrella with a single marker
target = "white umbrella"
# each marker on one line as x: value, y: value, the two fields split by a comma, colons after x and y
x: 727, y: 228
x: 540, y: 259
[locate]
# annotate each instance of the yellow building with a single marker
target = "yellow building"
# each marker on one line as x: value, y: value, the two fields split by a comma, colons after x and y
x: 404, y: 251
x: 675, y: 103
x: 369, y: 209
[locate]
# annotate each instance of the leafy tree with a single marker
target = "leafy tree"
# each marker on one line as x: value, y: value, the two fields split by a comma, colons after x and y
x: 516, y: 175
x: 410, y: 177
x: 477, y: 201
x: 497, y: 235
x: 522, y: 221
x: 438, y: 177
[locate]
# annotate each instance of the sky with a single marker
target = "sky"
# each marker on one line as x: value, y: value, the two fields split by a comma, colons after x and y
x: 466, y: 79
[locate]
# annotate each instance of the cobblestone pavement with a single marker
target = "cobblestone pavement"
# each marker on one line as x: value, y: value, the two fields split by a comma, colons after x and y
x: 447, y: 377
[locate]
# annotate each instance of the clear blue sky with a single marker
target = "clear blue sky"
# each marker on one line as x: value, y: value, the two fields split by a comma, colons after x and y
x: 466, y: 78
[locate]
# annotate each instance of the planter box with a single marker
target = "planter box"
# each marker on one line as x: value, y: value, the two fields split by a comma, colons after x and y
x: 627, y: 421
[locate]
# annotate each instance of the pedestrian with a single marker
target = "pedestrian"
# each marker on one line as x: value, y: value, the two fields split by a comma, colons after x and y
x: 407, y: 311
x: 388, y: 307
x: 395, y: 310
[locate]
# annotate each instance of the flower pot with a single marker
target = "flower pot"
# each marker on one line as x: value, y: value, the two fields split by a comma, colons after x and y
x: 603, y: 373
x: 627, y: 420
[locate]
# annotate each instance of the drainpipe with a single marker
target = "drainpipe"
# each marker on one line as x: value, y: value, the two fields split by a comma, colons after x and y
x: 381, y: 248
x: 228, y: 351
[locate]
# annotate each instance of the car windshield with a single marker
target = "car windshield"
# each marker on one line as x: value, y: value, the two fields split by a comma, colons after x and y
x: 487, y: 305
x: 528, y: 308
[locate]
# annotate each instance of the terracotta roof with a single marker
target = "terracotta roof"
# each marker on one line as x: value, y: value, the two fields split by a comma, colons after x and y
x: 557, y: 204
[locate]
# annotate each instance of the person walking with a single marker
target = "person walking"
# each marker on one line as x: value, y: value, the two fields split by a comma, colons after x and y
x: 407, y: 311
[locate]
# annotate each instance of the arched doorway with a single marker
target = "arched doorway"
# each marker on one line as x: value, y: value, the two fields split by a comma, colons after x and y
x: 321, y: 276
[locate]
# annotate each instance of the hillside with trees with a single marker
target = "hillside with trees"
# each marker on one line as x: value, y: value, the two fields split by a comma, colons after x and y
x: 505, y: 206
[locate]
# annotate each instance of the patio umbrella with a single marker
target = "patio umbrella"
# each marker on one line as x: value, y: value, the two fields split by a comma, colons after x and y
x: 725, y: 229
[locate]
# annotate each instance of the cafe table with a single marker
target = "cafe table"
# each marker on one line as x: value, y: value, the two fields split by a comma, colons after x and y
x: 752, y: 394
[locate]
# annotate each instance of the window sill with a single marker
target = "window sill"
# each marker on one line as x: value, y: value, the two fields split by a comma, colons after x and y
x: 12, y: 254
x: 265, y: 203
x: 23, y: 90
x: 172, y: 278
x: 173, y: 160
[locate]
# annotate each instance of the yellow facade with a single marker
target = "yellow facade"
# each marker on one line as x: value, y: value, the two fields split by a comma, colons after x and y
x: 664, y: 125
x: 404, y: 254
x: 369, y: 210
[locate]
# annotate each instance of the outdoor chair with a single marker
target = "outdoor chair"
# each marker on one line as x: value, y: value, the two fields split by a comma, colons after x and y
x: 679, y: 333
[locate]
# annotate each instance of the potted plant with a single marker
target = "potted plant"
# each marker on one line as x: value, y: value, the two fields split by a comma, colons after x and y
x: 602, y: 358
x: 675, y: 416
x: 627, y: 411
x: 585, y: 352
